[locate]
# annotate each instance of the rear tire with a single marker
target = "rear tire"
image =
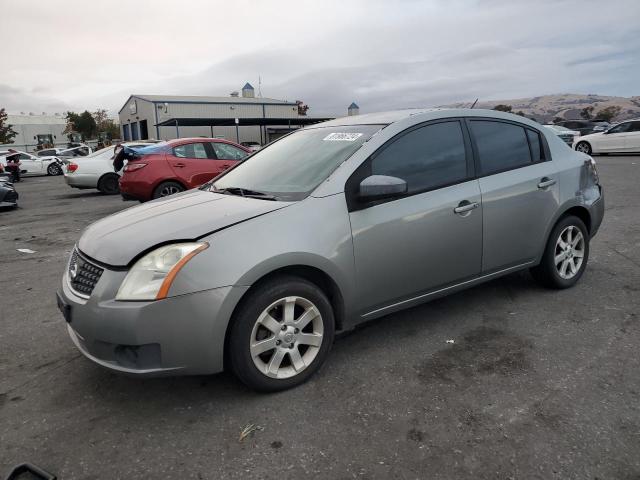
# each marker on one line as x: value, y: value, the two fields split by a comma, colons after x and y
x: 167, y: 188
x: 281, y: 334
x: 108, y: 184
x: 54, y: 169
x: 584, y: 147
x: 565, y: 256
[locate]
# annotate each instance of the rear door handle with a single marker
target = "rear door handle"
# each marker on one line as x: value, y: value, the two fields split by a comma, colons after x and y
x: 466, y: 206
x: 545, y: 183
x: 179, y: 165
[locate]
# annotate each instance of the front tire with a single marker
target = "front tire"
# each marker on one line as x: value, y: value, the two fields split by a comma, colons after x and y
x: 54, y: 169
x: 565, y: 256
x: 584, y: 147
x: 108, y: 184
x: 281, y: 334
x: 167, y: 188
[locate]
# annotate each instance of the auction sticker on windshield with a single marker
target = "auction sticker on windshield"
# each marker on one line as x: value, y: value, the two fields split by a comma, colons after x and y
x: 342, y: 137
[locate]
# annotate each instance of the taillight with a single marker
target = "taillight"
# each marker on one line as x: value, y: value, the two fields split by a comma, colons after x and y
x: 590, y: 163
x: 132, y: 167
x: 72, y: 167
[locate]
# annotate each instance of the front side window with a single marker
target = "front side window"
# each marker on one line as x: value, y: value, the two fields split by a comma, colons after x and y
x: 293, y: 166
x: 622, y: 128
x: 224, y: 151
x: 426, y: 158
x: 501, y: 146
x: 190, y: 150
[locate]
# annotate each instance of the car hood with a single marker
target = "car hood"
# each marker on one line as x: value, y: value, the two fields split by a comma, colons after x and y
x: 117, y: 239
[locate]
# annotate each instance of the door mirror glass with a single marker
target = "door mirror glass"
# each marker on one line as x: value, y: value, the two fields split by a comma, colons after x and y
x: 377, y: 187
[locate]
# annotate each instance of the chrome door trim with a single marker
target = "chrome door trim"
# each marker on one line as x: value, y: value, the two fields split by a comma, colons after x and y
x: 435, y: 292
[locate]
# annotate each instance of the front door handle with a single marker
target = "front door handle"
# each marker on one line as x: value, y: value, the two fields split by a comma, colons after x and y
x: 465, y: 206
x: 546, y: 182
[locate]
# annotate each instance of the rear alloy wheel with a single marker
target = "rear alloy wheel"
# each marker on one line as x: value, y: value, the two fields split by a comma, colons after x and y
x: 281, y: 334
x: 565, y: 257
x: 54, y: 169
x: 167, y: 188
x: 108, y: 184
x: 583, y: 147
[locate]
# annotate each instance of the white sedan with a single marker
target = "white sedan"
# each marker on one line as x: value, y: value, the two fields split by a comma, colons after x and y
x: 621, y: 138
x: 96, y: 170
x: 32, y: 164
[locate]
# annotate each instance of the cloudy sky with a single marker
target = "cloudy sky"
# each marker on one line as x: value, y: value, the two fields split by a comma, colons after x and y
x: 68, y: 54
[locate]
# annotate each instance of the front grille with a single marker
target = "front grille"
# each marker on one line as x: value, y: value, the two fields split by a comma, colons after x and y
x: 83, y: 275
x: 11, y: 196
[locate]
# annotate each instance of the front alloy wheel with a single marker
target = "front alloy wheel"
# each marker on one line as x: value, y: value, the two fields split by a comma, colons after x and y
x: 287, y: 337
x: 280, y: 334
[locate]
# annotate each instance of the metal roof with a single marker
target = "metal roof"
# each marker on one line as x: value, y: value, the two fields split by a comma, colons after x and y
x: 222, y: 122
x: 353, y: 105
x: 247, y: 86
x: 206, y: 99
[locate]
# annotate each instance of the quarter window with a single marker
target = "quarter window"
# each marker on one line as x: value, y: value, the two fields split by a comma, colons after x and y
x: 426, y: 158
x: 501, y: 146
x: 537, y: 152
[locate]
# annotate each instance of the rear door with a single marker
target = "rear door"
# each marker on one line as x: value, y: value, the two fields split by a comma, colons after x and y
x: 228, y: 155
x: 632, y: 141
x: 193, y: 163
x: 519, y: 188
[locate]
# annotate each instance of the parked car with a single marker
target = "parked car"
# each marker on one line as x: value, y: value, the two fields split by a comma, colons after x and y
x: 325, y: 228
x: 177, y: 165
x: 96, y: 170
x: 8, y: 194
x: 566, y: 135
x: 253, y: 146
x: 79, y: 150
x: 621, y: 138
x: 32, y: 164
x: 585, y: 127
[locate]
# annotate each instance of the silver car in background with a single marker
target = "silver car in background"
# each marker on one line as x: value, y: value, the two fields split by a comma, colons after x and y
x: 330, y: 226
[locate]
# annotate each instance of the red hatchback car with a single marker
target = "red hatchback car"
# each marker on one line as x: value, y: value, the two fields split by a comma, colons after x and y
x: 176, y: 165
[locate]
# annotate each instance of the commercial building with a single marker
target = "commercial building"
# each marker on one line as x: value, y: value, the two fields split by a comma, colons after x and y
x: 33, y: 130
x: 245, y: 118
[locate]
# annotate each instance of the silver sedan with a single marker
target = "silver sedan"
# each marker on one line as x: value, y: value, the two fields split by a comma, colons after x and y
x: 328, y: 227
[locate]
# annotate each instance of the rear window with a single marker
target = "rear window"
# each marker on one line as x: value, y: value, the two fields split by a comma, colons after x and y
x: 151, y: 149
x: 501, y: 146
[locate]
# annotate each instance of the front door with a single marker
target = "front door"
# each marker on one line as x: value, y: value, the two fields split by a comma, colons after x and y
x: 520, y: 194
x: 614, y: 139
x: 30, y: 163
x: 408, y: 246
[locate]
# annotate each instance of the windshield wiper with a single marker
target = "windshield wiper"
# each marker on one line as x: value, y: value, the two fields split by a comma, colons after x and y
x: 244, y: 192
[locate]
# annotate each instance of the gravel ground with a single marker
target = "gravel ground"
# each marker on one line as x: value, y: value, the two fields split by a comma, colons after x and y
x: 538, y: 384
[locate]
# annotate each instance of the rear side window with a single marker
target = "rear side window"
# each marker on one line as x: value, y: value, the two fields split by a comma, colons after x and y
x: 501, y: 146
x: 426, y: 158
x: 190, y: 150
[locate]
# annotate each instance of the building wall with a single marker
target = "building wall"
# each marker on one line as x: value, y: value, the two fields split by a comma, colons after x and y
x: 159, y: 112
x: 37, y: 125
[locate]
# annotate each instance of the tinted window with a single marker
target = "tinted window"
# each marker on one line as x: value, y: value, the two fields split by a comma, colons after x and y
x: 190, y: 150
x: 425, y: 158
x: 501, y: 146
x: 537, y: 152
x: 622, y: 128
x: 635, y: 127
x: 225, y: 151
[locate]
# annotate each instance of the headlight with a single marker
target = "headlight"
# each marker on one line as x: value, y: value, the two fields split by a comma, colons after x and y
x: 152, y: 275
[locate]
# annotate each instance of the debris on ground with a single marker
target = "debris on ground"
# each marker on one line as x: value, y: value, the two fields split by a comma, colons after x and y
x: 26, y: 250
x: 248, y: 430
x: 451, y: 341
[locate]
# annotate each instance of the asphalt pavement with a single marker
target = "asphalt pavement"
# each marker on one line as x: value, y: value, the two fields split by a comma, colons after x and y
x: 537, y: 384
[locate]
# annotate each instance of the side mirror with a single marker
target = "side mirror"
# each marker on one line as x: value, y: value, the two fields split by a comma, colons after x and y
x: 377, y: 187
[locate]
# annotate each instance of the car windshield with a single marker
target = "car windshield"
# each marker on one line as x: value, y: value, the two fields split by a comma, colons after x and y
x: 290, y: 168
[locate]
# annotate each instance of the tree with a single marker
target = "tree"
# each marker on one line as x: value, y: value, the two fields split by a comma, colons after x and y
x: 302, y: 108
x: 82, y: 123
x: 503, y: 108
x: 609, y: 113
x: 6, y: 132
x: 587, y: 113
x: 521, y: 113
x: 106, y: 125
